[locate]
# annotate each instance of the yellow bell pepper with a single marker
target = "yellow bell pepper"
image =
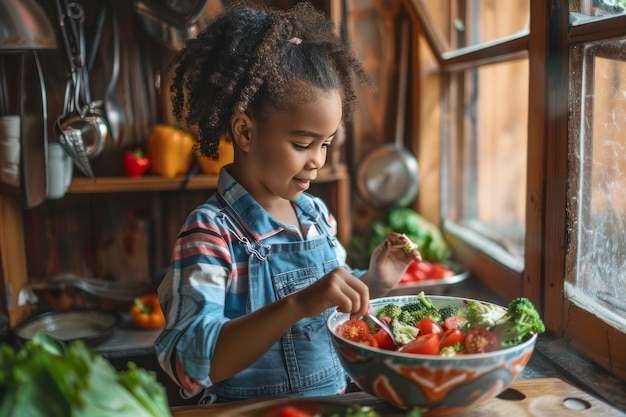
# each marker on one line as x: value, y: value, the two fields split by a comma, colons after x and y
x: 226, y: 156
x: 170, y: 150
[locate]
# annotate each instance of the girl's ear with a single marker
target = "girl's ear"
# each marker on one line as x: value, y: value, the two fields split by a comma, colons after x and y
x: 242, y: 126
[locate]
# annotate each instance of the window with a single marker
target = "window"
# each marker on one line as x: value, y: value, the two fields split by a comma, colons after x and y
x: 485, y: 158
x: 481, y: 47
x: 533, y: 155
x: 598, y: 250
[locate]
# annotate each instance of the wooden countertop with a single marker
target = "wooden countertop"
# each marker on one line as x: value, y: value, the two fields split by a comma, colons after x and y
x: 538, y: 397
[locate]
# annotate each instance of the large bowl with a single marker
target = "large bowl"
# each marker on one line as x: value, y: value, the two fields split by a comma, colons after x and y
x: 437, y: 384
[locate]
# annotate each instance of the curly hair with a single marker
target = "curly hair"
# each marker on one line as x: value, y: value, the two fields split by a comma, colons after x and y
x: 244, y: 61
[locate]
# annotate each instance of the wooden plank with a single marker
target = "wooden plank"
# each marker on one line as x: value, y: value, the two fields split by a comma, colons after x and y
x: 13, y: 258
x: 541, y: 397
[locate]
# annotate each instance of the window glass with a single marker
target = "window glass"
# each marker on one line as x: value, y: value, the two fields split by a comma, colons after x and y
x: 598, y: 282
x: 464, y: 23
x: 585, y: 10
x: 485, y: 156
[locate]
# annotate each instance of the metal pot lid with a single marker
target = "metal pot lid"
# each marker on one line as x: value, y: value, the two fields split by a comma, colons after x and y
x: 91, y: 326
x: 388, y: 177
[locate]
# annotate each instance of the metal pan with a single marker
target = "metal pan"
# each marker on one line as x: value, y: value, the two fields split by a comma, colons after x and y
x: 90, y: 326
x: 389, y: 175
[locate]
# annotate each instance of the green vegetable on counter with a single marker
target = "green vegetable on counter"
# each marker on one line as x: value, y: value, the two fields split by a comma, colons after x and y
x: 423, y: 233
x: 48, y: 377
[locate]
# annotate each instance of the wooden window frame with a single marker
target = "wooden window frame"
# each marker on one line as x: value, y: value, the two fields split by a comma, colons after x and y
x: 546, y: 261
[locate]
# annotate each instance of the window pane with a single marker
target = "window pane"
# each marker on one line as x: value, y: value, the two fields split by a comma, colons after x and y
x: 582, y: 11
x: 486, y: 154
x: 599, y: 280
x: 463, y: 23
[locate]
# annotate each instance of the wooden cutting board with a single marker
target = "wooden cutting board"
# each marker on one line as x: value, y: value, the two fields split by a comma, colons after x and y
x: 537, y: 397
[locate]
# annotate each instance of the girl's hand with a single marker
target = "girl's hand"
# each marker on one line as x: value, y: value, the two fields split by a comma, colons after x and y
x: 337, y: 288
x: 389, y: 262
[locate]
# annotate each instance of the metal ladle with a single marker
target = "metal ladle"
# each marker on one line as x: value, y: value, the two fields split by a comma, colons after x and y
x: 112, y: 108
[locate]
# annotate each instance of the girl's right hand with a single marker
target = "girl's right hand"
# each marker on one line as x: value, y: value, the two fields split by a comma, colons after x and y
x: 337, y: 288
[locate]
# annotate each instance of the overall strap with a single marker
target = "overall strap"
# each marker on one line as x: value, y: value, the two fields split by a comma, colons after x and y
x: 253, y: 246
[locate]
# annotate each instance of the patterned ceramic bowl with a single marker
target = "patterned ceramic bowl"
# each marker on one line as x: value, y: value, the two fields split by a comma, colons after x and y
x: 439, y: 385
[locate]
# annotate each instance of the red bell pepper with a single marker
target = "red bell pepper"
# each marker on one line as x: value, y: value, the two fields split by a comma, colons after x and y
x: 135, y: 163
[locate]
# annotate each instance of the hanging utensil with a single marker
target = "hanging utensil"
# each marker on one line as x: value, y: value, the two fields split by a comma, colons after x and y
x: 81, y: 129
x: 389, y: 176
x: 90, y: 118
x: 112, y: 108
x: 70, y: 138
x: 33, y: 111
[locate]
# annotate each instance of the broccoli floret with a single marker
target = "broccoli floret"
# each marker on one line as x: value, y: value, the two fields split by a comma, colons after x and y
x: 389, y: 310
x: 402, y: 332
x: 425, y: 301
x: 408, y: 317
x: 413, y: 317
x: 412, y: 307
x: 521, y: 320
x: 451, y: 350
x: 448, y: 311
x: 413, y: 312
x: 483, y: 315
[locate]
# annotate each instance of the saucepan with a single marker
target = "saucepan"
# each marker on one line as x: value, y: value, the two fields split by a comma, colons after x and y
x: 171, y: 23
x: 389, y: 175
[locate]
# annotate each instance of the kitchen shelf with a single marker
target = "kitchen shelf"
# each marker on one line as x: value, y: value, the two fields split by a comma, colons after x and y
x: 158, y: 183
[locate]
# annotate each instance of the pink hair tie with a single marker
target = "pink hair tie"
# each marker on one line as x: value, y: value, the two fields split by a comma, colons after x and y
x: 295, y: 40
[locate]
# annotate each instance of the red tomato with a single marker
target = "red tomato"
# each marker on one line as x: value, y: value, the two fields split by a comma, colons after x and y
x: 426, y: 345
x: 384, y: 340
x: 368, y: 340
x: 413, y: 273
x: 353, y: 329
x: 426, y: 268
x: 450, y: 337
x: 439, y: 270
x: 289, y: 411
x: 454, y: 322
x: 480, y: 340
x: 428, y: 326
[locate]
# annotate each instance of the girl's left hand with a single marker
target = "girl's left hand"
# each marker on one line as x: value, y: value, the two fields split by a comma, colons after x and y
x: 390, y: 261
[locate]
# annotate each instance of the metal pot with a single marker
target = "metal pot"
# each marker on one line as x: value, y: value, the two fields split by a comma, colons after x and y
x: 171, y: 23
x: 389, y: 176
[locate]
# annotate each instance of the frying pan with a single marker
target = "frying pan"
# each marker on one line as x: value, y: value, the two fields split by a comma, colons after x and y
x: 389, y: 175
x: 93, y: 327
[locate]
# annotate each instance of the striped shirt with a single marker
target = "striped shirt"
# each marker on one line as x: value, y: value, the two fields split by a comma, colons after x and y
x: 208, y: 282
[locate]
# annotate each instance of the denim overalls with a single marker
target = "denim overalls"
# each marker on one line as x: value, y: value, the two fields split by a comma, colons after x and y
x: 303, y: 362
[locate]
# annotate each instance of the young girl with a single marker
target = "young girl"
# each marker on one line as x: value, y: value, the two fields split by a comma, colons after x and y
x: 257, y: 268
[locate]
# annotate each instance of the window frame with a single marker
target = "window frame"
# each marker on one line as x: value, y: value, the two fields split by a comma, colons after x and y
x: 546, y: 261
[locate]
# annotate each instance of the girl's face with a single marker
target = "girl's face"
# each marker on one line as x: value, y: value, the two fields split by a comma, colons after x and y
x: 287, y: 148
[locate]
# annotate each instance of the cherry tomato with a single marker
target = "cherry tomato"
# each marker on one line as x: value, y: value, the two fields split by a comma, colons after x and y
x: 384, y: 340
x: 413, y: 273
x: 289, y: 411
x: 454, y: 321
x: 439, y: 270
x: 368, y: 340
x: 426, y: 268
x: 450, y: 337
x: 479, y: 340
x: 428, y: 326
x: 426, y: 345
x: 353, y: 329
